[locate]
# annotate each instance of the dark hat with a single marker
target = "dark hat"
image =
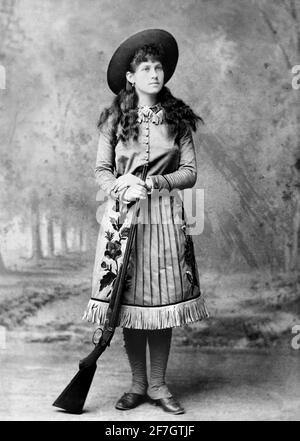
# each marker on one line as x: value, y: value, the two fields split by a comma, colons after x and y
x: 119, y: 63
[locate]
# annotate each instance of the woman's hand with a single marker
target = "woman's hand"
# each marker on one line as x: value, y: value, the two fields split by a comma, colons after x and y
x: 136, y: 191
x: 125, y: 181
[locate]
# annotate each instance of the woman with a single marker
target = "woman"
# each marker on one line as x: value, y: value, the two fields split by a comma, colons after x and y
x: 146, y: 126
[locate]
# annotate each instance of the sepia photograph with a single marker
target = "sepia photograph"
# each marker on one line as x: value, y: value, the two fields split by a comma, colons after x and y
x: 150, y: 213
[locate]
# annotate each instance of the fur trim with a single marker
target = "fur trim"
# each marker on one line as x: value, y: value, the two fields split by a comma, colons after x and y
x: 154, y: 317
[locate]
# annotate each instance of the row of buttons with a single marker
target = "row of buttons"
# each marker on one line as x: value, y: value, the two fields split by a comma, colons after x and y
x: 146, y: 142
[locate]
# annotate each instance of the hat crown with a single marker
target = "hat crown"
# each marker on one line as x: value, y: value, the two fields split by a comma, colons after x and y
x: 118, y: 65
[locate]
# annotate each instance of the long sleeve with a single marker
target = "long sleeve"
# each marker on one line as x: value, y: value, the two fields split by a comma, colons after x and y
x: 186, y: 174
x: 105, y: 162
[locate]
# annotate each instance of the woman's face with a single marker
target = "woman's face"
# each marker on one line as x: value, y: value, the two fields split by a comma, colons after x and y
x: 148, y: 77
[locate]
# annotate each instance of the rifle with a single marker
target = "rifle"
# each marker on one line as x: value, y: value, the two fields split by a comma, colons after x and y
x: 73, y: 397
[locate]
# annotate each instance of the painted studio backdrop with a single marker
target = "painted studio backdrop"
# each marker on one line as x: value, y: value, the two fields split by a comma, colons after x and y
x: 237, y: 68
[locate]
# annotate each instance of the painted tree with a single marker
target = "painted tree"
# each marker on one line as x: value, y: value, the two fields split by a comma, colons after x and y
x: 11, y: 46
x: 232, y: 69
x: 282, y: 19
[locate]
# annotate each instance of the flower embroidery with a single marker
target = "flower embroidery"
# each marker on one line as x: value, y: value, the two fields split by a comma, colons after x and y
x: 107, y: 280
x: 124, y: 233
x: 191, y: 280
x: 189, y: 254
x: 113, y: 252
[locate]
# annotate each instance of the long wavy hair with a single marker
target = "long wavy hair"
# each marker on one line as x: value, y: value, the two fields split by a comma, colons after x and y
x: 123, y: 109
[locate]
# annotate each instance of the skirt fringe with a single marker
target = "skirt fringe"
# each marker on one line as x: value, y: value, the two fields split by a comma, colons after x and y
x: 155, y: 317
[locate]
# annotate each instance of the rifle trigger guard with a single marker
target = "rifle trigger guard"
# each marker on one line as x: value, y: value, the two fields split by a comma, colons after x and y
x: 94, y: 335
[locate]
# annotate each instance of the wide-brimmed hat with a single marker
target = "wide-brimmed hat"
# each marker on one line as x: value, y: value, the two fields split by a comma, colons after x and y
x: 119, y: 63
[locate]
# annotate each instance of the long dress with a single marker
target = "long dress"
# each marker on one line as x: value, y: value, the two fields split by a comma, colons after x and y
x: 162, y: 286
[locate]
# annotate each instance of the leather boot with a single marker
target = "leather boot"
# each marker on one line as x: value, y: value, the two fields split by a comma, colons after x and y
x: 129, y: 400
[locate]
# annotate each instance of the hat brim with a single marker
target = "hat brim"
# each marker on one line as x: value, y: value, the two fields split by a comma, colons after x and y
x: 119, y: 63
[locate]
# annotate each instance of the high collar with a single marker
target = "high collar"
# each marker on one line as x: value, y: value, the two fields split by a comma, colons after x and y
x: 154, y: 113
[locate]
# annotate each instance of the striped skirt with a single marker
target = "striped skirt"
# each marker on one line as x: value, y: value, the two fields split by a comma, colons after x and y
x: 162, y: 287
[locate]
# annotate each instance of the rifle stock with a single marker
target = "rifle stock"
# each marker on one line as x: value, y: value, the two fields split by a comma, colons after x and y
x: 73, y: 397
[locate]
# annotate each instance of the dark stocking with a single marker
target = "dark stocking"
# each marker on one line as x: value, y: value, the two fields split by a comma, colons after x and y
x: 135, y: 344
x: 159, y: 345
